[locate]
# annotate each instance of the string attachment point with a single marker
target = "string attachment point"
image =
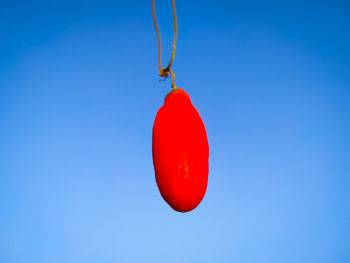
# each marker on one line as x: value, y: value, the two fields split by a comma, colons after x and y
x: 164, y: 73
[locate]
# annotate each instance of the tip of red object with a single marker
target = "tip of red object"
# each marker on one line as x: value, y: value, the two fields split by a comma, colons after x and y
x: 176, y: 95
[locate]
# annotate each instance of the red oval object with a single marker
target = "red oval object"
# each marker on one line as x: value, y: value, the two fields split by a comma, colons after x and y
x: 180, y: 152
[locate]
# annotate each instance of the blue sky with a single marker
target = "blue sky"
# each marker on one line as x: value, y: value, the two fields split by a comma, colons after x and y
x: 79, y: 92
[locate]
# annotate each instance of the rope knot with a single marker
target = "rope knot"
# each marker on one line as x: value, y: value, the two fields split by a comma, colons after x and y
x: 164, y: 72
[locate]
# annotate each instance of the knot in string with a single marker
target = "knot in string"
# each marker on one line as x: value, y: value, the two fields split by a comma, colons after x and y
x: 164, y: 72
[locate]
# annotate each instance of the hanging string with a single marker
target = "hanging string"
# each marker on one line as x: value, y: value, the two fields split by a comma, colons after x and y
x: 164, y: 72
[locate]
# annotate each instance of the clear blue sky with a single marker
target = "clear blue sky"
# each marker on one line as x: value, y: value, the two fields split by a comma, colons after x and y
x: 79, y: 92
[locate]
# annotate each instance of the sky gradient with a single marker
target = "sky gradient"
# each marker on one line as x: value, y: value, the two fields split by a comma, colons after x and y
x: 79, y: 92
